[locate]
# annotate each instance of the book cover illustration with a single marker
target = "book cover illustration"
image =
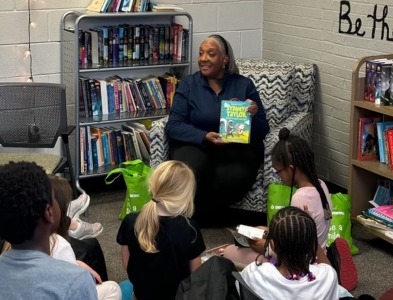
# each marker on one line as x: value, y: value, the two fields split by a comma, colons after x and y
x: 235, y: 121
x: 367, y: 149
x: 381, y: 197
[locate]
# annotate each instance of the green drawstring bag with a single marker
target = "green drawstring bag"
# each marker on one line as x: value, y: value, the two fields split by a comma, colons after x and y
x: 340, y: 225
x: 278, y: 196
x: 135, y: 175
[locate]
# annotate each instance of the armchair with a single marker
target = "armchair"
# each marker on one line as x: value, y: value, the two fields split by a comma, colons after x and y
x: 287, y: 92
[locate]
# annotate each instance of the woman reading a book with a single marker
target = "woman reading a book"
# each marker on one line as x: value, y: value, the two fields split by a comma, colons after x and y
x: 224, y: 171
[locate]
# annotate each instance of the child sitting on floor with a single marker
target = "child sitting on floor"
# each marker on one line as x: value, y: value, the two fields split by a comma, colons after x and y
x: 300, y: 269
x: 293, y: 160
x: 161, y: 245
x: 293, y: 274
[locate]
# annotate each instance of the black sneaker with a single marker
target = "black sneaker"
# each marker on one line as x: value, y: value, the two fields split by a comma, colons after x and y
x: 340, y: 257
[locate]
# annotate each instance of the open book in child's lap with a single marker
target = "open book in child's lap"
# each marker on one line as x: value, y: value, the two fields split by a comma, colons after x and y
x: 235, y: 121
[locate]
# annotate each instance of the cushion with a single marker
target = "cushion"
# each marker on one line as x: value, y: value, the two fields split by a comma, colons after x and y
x: 48, y: 161
x: 273, y: 81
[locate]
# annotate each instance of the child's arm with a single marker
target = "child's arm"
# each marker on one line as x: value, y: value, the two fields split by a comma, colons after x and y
x: 258, y: 245
x: 321, y: 256
x: 195, y: 263
x: 125, y: 256
x: 90, y: 269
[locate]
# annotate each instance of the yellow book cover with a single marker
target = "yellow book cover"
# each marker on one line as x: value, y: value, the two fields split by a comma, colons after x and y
x: 96, y: 5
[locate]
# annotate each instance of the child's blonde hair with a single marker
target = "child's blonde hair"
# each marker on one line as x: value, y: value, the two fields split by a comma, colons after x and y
x: 172, y: 185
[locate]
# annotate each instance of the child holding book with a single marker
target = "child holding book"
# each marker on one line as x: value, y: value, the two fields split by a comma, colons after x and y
x: 161, y: 245
x: 293, y: 160
x: 294, y: 274
x: 300, y: 268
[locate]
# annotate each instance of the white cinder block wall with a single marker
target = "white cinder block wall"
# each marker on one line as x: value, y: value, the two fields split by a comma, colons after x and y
x: 238, y: 21
x: 301, y: 30
x: 308, y: 30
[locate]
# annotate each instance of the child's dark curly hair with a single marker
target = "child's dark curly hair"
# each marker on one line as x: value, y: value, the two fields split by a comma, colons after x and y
x: 295, y: 241
x: 295, y: 151
x: 25, y: 192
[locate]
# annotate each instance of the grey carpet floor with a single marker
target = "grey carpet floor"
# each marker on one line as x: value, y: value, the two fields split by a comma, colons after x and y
x: 374, y: 262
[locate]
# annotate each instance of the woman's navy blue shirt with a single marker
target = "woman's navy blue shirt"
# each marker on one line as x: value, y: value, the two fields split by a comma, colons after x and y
x: 196, y: 108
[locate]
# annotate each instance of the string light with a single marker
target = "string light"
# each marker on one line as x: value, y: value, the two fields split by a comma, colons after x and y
x: 28, y: 52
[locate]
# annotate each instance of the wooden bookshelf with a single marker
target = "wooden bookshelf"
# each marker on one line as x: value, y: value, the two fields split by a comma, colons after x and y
x: 364, y: 175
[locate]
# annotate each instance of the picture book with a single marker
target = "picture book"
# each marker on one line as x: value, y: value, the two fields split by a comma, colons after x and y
x: 381, y: 197
x: 235, y: 121
x: 367, y: 149
x: 244, y: 233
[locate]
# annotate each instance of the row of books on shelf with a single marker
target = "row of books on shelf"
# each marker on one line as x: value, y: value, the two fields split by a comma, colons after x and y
x: 119, y: 5
x: 100, y: 146
x: 378, y: 86
x: 116, y: 94
x: 125, y: 44
x: 375, y: 140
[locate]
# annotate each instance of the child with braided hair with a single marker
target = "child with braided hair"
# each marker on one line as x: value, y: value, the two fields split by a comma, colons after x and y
x: 293, y: 160
x: 294, y: 274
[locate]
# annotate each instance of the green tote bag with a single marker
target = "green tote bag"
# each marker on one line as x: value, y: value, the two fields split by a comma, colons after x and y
x: 135, y: 175
x: 340, y: 225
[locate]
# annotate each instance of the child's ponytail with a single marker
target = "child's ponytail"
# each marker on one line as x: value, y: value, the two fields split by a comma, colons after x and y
x: 146, y: 227
x: 172, y: 185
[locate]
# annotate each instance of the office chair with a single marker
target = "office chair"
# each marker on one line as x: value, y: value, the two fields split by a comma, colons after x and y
x: 33, y: 116
x: 246, y: 293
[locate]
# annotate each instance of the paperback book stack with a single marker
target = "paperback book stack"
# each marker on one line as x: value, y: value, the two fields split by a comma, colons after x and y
x: 382, y: 214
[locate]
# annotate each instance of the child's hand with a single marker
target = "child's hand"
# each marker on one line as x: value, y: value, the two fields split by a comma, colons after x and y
x: 258, y: 245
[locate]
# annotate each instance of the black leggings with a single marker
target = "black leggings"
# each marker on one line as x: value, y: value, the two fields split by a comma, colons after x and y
x: 224, y: 173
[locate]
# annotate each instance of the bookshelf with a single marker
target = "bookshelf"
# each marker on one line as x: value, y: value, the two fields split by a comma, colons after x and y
x: 72, y: 23
x: 363, y: 175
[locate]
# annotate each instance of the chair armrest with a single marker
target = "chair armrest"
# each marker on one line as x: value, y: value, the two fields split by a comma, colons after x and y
x: 66, y: 133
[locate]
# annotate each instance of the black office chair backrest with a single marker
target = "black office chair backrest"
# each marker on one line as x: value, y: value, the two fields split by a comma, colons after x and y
x: 246, y: 293
x: 32, y: 115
